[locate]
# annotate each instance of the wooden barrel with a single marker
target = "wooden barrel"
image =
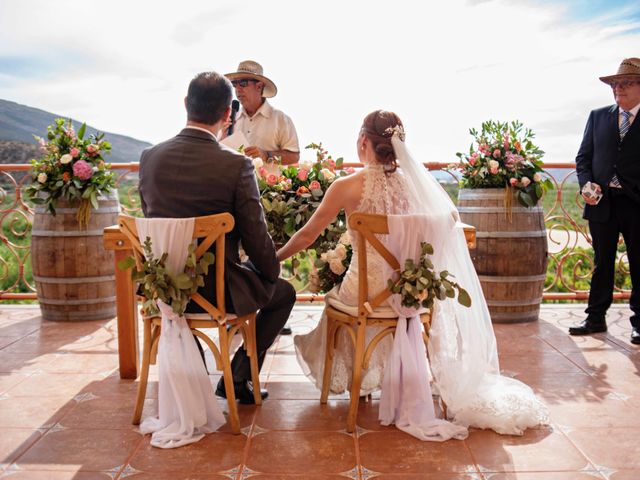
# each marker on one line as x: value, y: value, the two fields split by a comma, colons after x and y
x: 511, y: 253
x: 73, y: 273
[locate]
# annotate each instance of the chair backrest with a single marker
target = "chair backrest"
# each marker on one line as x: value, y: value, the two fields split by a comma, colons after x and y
x: 209, y: 230
x: 367, y: 225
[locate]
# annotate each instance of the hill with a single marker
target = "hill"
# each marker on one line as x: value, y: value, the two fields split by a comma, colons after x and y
x: 18, y: 123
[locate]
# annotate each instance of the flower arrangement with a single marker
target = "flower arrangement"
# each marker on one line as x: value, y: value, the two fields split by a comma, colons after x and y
x: 72, y: 168
x: 420, y: 285
x: 331, y: 266
x: 157, y: 284
x: 291, y: 194
x: 503, y: 155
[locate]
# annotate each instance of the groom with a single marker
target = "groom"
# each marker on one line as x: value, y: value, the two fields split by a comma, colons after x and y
x: 192, y: 175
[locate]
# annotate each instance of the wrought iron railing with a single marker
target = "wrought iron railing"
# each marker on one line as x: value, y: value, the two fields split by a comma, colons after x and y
x: 570, y: 253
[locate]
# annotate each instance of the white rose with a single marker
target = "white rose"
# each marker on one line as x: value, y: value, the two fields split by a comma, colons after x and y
x: 328, y: 174
x: 305, y: 165
x: 341, y: 252
x: 66, y: 158
x: 257, y: 163
x: 525, y: 181
x: 324, y: 257
x: 345, y: 238
x: 493, y: 164
x: 42, y: 177
x: 336, y: 266
x: 537, y: 177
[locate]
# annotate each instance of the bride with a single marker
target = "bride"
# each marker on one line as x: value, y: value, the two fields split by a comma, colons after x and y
x: 462, y: 347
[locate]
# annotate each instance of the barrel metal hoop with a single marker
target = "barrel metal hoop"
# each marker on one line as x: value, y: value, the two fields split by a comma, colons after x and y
x: 68, y: 281
x: 512, y: 278
x: 513, y: 316
x: 521, y: 234
x: 484, y: 194
x: 86, y: 301
x: 62, y: 233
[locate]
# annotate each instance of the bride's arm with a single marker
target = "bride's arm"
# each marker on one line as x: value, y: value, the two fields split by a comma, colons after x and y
x: 331, y: 204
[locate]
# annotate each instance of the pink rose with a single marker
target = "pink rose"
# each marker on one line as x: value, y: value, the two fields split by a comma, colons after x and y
x: 263, y: 172
x: 506, y: 144
x: 332, y: 163
x: 513, y: 182
x: 496, y: 153
x: 315, y: 185
x: 82, y: 170
x: 302, y: 190
x: 303, y: 174
x: 350, y: 170
x: 272, y: 179
x: 525, y: 181
x: 74, y: 152
x: 472, y: 160
x: 493, y: 171
x: 92, y: 149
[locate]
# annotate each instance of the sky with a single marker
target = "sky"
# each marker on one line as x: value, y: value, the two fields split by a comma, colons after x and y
x: 443, y: 67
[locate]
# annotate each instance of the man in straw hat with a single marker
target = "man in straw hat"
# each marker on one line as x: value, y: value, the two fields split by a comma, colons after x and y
x: 608, y: 167
x: 269, y: 131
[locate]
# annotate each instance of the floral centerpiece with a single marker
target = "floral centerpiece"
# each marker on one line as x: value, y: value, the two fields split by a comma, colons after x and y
x: 420, y: 285
x: 504, y: 155
x: 72, y: 168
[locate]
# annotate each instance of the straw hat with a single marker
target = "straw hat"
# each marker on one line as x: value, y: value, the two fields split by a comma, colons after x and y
x: 629, y: 70
x: 251, y: 69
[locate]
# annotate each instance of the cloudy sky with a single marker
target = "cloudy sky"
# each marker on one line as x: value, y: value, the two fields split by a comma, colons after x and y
x: 123, y: 66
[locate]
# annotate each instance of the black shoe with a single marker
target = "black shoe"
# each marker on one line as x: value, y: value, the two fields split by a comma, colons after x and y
x: 243, y: 391
x: 635, y: 335
x: 589, y: 326
x: 286, y: 330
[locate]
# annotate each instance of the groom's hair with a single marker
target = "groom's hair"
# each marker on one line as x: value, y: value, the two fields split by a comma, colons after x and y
x: 208, y: 97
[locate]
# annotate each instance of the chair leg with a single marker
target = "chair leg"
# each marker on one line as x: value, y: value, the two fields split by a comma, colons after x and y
x: 252, y: 351
x: 332, y: 331
x: 144, y: 372
x: 228, y: 379
x: 356, y: 378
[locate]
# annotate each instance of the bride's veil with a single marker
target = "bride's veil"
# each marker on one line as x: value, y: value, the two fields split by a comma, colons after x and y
x: 462, y: 348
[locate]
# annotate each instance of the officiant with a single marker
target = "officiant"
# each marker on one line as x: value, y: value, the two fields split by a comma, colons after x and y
x: 269, y: 132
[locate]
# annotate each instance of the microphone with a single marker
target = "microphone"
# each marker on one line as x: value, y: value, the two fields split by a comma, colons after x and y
x: 235, y: 106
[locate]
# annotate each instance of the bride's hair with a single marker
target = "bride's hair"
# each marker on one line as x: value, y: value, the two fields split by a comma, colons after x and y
x: 377, y: 127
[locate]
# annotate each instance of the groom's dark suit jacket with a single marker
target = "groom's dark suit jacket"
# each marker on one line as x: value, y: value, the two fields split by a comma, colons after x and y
x: 192, y: 175
x: 602, y: 153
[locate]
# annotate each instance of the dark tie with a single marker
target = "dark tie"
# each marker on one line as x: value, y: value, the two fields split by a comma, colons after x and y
x: 624, y: 128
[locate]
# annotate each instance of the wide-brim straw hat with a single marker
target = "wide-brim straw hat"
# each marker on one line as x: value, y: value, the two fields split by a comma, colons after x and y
x: 629, y: 69
x: 251, y: 69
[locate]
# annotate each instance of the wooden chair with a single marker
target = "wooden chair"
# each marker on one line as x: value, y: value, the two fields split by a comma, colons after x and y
x: 355, y: 321
x: 210, y: 229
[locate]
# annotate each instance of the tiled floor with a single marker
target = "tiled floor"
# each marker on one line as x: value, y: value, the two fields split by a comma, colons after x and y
x: 65, y: 413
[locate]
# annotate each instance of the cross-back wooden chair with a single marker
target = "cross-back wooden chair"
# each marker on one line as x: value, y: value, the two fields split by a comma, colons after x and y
x: 366, y: 226
x: 209, y: 229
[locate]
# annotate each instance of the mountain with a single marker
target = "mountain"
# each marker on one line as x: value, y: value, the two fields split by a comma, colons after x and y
x: 18, y: 123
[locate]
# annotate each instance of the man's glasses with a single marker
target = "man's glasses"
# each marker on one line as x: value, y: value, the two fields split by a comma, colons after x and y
x: 623, y: 85
x: 243, y: 82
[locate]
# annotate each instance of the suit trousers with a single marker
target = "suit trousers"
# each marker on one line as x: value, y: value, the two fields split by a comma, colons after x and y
x: 269, y: 321
x: 625, y: 220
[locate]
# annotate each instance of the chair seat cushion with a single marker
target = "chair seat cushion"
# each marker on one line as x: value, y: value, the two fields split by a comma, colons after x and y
x: 383, y: 311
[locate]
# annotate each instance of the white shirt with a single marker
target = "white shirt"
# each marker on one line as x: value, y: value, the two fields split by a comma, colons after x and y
x: 632, y: 117
x: 268, y: 129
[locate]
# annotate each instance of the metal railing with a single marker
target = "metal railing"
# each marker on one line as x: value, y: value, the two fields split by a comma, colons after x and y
x: 570, y: 254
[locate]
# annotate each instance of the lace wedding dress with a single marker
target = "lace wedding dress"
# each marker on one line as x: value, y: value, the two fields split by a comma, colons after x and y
x: 462, y: 345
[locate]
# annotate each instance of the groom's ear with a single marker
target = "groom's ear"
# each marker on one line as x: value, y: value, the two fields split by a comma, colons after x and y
x: 185, y: 102
x: 226, y: 115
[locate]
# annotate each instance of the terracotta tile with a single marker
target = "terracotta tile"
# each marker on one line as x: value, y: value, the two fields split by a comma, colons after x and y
x: 246, y: 414
x: 368, y: 417
x: 548, y: 362
x: 14, y: 442
x: 33, y: 412
x: 214, y: 453
x: 175, y: 476
x: 604, y: 413
x: 612, y: 448
x: 537, y: 450
x: 53, y: 384
x: 8, y: 381
x: 567, y: 387
x: 73, y: 449
x: 431, y: 476
x: 625, y: 475
x: 293, y: 387
x: 529, y: 344
x: 303, y: 415
x: 83, y: 363
x: 301, y: 452
x: 276, y: 476
x: 566, y: 343
x: 24, y: 363
x: 398, y: 452
x: 102, y: 413
x: 20, y: 328
x: 285, y: 363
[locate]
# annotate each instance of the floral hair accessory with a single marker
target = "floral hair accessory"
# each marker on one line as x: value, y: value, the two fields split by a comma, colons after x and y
x: 397, y: 130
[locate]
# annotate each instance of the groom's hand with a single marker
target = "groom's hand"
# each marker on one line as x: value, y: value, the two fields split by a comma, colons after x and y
x: 254, y: 152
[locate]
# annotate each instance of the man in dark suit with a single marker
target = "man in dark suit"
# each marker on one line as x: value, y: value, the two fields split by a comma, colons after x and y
x: 192, y: 175
x: 608, y: 165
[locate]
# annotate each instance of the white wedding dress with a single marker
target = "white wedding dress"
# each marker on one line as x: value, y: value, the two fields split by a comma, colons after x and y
x: 462, y: 347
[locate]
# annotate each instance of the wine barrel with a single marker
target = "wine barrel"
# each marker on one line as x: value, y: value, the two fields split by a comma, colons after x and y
x: 73, y: 273
x: 511, y: 253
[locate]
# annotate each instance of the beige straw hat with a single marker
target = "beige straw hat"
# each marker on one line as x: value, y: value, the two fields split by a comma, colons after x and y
x: 251, y: 69
x: 629, y: 70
